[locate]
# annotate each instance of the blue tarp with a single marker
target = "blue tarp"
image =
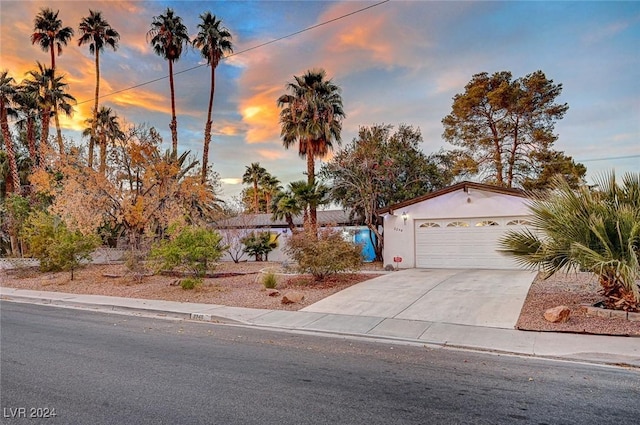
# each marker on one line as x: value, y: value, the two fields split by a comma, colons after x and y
x: 366, y: 238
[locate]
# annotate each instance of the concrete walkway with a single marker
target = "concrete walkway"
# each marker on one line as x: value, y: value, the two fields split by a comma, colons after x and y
x: 618, y: 351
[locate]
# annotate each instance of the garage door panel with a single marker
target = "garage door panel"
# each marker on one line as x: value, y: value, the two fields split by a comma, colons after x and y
x: 461, y: 247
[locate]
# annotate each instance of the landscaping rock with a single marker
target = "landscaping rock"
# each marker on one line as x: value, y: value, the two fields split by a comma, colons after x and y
x: 273, y: 292
x: 292, y: 297
x: 559, y: 314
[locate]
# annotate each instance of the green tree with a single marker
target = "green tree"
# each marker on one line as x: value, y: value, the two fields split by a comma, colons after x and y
x: 193, y: 248
x: 501, y: 124
x: 50, y: 35
x: 380, y: 168
x: 56, y: 246
x: 259, y: 244
x: 169, y: 36
x: 552, y: 163
x: 97, y: 33
x: 325, y: 254
x: 7, y: 94
x: 592, y: 230
x: 253, y: 174
x: 16, y: 211
x: 311, y: 115
x: 214, y: 41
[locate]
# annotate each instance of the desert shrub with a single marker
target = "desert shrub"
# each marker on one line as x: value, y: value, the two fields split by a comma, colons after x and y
x: 190, y: 283
x: 56, y: 246
x: 323, y: 254
x: 269, y: 280
x: 192, y: 248
x: 589, y: 229
x: 259, y: 244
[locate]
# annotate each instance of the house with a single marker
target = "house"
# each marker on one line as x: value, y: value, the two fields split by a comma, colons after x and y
x: 455, y: 227
x: 244, y: 224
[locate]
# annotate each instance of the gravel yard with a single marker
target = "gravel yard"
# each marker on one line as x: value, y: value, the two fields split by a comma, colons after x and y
x: 572, y: 290
x: 247, y: 290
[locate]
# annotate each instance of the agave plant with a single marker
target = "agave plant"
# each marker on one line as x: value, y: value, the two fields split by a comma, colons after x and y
x: 595, y: 230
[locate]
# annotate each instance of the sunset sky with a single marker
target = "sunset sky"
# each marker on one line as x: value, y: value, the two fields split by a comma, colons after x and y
x: 397, y: 62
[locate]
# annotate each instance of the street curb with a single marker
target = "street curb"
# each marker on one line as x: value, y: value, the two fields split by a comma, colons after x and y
x: 210, y: 318
x: 119, y: 309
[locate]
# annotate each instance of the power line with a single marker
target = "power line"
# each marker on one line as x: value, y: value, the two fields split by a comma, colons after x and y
x: 611, y: 158
x: 245, y: 50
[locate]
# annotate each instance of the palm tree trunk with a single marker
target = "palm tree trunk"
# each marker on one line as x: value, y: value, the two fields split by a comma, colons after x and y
x: 255, y: 197
x: 58, y: 132
x: 103, y: 154
x: 55, y: 106
x: 94, y: 124
x: 174, y: 123
x: 11, y: 155
x: 207, y: 129
x: 44, y: 138
x: 311, y: 179
x: 31, y: 139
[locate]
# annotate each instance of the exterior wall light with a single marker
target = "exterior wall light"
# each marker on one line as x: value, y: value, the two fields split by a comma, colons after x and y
x: 405, y: 216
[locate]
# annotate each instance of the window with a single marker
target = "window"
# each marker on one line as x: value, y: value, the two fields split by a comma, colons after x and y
x: 519, y: 222
x: 458, y: 224
x: 486, y: 223
x: 430, y: 224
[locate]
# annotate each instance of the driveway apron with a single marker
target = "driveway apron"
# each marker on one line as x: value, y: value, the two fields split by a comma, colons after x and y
x: 488, y: 298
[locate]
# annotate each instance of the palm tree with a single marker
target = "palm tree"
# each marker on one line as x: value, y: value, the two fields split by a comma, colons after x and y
x: 311, y: 115
x: 286, y: 205
x: 38, y: 88
x: 107, y: 129
x: 7, y: 93
x: 26, y: 103
x: 50, y: 35
x: 61, y: 100
x: 96, y: 32
x: 591, y: 230
x: 253, y: 175
x: 270, y: 186
x: 169, y: 36
x: 49, y: 93
x: 214, y: 42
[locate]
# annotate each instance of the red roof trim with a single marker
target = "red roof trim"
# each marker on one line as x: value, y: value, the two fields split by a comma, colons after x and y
x: 466, y: 185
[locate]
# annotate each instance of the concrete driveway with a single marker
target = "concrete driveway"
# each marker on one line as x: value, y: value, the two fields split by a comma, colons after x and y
x: 489, y: 298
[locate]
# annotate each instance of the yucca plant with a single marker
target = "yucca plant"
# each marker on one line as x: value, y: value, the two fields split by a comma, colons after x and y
x: 595, y: 230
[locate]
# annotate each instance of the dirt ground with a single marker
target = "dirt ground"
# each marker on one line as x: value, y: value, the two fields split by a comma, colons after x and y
x: 241, y: 285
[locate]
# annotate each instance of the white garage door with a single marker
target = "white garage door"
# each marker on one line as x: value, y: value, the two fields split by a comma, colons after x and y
x: 466, y: 243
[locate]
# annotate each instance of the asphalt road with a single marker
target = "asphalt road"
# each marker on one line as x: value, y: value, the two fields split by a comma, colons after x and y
x: 96, y: 368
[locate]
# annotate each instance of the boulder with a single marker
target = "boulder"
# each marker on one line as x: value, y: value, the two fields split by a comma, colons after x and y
x: 273, y: 292
x: 559, y: 314
x: 292, y: 297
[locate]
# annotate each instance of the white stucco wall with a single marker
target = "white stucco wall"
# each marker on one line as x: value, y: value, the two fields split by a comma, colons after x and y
x: 399, y: 237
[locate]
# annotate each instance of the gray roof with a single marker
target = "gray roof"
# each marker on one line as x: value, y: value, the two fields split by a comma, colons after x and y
x: 256, y: 221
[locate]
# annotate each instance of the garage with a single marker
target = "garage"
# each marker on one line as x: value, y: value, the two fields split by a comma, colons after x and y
x: 456, y: 227
x: 463, y: 242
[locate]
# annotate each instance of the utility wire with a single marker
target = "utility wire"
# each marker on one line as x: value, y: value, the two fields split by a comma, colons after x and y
x: 243, y: 51
x: 611, y: 158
